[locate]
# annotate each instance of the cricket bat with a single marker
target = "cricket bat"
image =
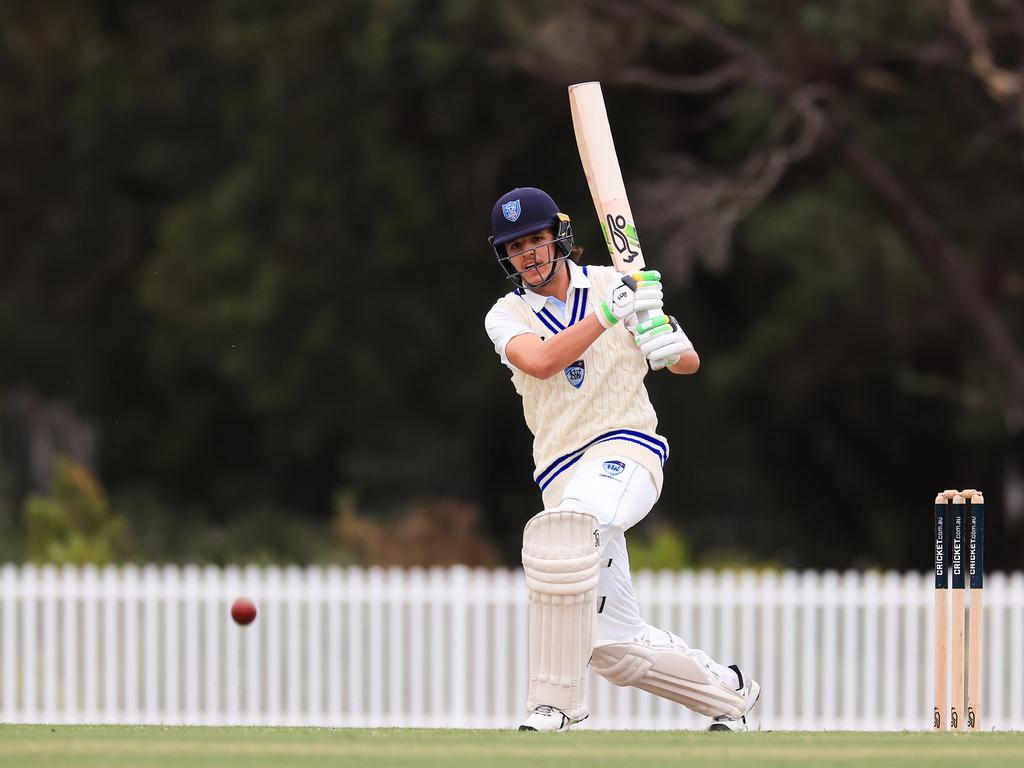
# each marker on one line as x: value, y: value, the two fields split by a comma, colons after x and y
x: 601, y: 166
x: 604, y: 177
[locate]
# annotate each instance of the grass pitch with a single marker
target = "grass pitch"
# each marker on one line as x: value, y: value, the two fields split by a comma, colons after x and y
x: 156, y: 747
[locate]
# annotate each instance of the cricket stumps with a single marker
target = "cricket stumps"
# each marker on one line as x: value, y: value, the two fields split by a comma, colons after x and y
x: 959, y: 572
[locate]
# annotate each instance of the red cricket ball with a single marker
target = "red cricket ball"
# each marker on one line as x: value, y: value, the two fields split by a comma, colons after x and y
x: 243, y: 611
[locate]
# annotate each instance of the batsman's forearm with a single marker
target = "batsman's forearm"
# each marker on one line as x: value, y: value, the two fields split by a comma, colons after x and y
x: 566, y: 347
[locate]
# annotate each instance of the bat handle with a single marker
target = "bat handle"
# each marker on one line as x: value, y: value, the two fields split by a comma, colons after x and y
x: 646, y: 314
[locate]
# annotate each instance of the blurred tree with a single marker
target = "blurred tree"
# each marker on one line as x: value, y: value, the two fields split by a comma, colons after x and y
x: 858, y: 350
x: 662, y: 548
x: 10, y: 533
x: 249, y: 240
x: 440, y: 532
x: 73, y: 523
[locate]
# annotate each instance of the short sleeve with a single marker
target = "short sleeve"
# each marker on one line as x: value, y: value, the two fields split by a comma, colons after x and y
x: 502, y: 326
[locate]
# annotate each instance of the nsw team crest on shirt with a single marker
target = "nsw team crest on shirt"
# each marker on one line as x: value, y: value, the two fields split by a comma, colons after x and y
x: 511, y: 209
x: 575, y: 373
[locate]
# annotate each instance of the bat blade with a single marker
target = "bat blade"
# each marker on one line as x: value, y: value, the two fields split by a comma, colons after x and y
x: 604, y: 177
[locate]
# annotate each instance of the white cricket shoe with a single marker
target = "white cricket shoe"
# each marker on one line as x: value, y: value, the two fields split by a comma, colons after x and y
x: 545, y: 718
x: 751, y: 690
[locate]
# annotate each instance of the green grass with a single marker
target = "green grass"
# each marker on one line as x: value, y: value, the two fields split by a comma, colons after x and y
x: 151, y: 747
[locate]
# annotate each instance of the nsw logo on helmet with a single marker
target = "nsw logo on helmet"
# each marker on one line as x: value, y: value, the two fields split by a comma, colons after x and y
x: 511, y: 210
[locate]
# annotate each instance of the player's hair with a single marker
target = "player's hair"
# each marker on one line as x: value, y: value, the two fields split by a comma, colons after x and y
x: 576, y: 254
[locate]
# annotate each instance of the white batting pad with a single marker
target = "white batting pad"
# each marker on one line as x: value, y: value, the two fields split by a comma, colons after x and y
x: 561, y: 558
x: 670, y: 671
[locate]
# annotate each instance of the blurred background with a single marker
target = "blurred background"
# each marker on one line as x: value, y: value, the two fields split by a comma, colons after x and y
x: 244, y: 269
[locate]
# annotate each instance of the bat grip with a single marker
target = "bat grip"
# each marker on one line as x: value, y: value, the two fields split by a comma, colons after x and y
x: 646, y: 314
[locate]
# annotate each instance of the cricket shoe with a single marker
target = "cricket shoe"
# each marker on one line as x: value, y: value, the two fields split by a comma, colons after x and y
x: 751, y: 690
x: 545, y: 718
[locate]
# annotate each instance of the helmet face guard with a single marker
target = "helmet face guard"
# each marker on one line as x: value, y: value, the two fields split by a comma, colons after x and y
x: 563, y: 243
x: 524, y: 211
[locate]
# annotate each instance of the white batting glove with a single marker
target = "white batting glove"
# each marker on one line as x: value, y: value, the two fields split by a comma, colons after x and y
x: 630, y: 294
x: 662, y: 341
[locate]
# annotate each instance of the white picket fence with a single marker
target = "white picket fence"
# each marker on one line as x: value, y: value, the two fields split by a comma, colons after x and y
x: 447, y: 647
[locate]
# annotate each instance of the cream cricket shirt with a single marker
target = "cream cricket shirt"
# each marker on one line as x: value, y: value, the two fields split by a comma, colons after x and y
x: 596, y: 407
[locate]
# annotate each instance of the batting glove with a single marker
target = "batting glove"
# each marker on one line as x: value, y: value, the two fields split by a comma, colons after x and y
x: 662, y: 341
x: 630, y: 294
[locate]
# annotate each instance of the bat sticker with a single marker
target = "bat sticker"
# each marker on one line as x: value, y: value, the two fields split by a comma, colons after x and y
x: 619, y: 237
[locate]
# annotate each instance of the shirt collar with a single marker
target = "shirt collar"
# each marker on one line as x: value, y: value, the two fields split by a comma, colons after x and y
x: 577, y: 279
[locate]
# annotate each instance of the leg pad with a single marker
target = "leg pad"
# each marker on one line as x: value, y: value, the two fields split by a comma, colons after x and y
x: 560, y: 556
x: 670, y: 672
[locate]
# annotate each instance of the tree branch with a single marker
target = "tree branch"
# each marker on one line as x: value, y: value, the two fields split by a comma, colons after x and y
x: 1003, y: 86
x: 706, y: 82
x: 942, y: 261
x: 698, y: 207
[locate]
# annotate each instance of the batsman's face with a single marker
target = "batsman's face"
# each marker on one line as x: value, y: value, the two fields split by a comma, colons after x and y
x: 531, y: 255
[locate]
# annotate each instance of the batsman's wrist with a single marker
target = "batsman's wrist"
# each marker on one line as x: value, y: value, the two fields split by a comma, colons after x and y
x: 605, y: 316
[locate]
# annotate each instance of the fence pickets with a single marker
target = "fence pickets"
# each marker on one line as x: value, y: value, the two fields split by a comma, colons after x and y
x: 447, y: 647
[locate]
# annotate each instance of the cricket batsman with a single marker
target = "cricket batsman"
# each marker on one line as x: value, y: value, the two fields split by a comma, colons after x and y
x: 578, y: 356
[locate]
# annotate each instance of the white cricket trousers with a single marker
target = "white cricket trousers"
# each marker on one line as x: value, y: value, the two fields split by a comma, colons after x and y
x: 620, y: 493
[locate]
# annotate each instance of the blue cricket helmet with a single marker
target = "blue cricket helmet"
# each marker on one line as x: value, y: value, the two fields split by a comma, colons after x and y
x: 520, y: 212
